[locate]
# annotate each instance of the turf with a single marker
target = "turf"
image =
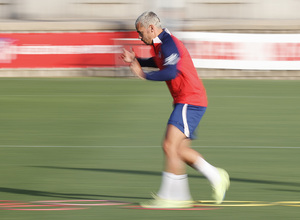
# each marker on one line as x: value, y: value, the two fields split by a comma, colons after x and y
x: 99, y: 138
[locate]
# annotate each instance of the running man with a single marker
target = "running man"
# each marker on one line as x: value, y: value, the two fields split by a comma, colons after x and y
x: 177, y: 70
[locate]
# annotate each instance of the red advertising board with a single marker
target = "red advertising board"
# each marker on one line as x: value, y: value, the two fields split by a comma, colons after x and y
x: 65, y: 50
x: 103, y: 49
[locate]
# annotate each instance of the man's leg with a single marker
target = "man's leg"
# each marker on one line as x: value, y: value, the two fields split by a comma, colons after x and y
x: 174, y: 190
x: 174, y: 184
x: 217, y: 177
x: 196, y: 161
x: 177, y: 152
x: 171, y: 145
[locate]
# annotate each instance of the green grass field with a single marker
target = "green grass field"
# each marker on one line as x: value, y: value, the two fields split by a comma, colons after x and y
x: 99, y: 139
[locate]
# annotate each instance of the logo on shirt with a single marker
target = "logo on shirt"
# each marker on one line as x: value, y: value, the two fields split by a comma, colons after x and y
x: 172, y: 59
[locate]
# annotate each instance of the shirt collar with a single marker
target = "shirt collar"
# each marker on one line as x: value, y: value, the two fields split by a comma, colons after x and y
x: 157, y: 40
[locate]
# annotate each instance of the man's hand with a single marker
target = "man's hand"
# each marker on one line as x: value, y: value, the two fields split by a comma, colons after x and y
x: 128, y: 56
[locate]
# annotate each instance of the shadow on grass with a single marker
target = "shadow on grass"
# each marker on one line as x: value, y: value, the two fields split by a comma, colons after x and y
x: 283, y: 190
x: 64, y: 195
x: 120, y: 171
x: 154, y: 173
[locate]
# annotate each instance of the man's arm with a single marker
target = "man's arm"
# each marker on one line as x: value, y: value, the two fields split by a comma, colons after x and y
x: 171, y: 58
x: 147, y: 62
x: 129, y: 56
x: 168, y: 73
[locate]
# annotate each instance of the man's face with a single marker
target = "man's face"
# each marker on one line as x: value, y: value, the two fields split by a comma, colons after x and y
x: 145, y: 34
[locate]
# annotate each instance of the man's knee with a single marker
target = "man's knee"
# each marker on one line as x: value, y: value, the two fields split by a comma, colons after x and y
x: 170, y: 147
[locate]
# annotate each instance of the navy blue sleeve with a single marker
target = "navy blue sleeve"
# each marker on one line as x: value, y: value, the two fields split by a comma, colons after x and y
x: 168, y: 73
x: 171, y: 57
x: 148, y: 62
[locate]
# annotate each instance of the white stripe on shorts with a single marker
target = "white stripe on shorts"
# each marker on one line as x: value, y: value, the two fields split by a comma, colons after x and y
x: 184, y: 118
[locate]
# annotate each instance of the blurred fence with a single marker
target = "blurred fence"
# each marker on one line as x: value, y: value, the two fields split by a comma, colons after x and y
x: 267, y: 47
x: 130, y: 9
x: 217, y: 15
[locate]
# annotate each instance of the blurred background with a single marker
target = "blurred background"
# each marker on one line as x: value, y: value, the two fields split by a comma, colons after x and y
x: 190, y: 13
x: 257, y: 50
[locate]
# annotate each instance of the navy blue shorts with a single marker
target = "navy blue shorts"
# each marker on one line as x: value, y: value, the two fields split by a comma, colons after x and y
x: 186, y: 118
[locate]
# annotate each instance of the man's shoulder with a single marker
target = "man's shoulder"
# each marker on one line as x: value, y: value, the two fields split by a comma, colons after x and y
x: 169, y: 41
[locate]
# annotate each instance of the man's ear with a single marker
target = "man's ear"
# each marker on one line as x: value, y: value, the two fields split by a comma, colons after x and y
x: 151, y: 27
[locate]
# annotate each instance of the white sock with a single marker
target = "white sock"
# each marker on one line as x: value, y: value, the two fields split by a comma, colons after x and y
x: 174, y: 187
x: 209, y: 171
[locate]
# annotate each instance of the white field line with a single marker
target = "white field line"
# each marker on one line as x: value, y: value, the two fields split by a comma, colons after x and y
x: 79, y: 95
x: 225, y: 147
x: 137, y: 95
